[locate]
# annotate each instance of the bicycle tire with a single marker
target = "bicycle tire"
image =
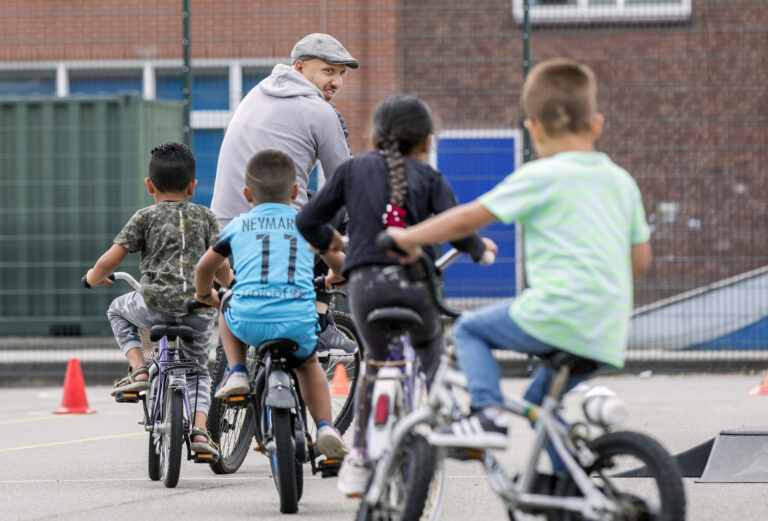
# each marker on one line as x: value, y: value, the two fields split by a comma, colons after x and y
x: 231, y: 428
x: 343, y: 408
x: 407, y: 485
x: 153, y: 457
x: 659, y: 464
x: 283, y: 460
x: 171, y: 441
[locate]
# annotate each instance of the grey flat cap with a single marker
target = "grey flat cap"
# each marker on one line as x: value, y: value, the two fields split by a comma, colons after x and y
x: 325, y: 47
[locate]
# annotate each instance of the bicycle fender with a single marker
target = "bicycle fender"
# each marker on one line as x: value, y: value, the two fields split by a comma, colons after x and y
x: 279, y: 394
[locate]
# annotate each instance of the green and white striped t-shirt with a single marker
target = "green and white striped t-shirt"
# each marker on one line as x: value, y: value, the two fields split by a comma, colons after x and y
x: 581, y: 213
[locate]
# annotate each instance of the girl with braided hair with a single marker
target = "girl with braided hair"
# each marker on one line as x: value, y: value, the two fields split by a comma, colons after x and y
x: 391, y: 185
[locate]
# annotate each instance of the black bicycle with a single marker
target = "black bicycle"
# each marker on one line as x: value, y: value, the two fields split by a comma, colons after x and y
x: 233, y: 427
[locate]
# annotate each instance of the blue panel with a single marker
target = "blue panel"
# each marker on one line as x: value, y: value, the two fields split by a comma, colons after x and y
x: 101, y: 85
x: 473, y: 166
x: 27, y: 86
x: 751, y: 337
x: 206, y: 144
x: 312, y: 184
x: 251, y: 80
x: 208, y: 92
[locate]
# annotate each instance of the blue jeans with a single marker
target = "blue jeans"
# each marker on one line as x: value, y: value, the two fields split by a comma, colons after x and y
x: 475, y: 334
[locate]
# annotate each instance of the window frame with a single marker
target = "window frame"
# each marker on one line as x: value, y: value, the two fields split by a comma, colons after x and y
x: 582, y: 12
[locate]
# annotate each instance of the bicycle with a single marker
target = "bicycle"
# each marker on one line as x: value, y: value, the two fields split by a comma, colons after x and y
x: 166, y: 405
x: 274, y: 413
x: 591, y: 487
x: 415, y: 483
x: 233, y: 428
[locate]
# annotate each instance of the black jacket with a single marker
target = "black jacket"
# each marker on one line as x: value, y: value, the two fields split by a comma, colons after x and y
x: 362, y: 185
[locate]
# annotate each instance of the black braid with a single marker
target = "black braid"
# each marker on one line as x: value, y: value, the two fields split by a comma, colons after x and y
x: 398, y: 182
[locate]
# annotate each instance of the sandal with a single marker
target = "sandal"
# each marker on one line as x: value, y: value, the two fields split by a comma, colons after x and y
x: 129, y: 384
x: 207, y: 447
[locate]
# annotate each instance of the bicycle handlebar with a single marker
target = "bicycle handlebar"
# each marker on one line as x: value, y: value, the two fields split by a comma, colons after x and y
x: 191, y: 304
x: 386, y: 242
x: 118, y: 275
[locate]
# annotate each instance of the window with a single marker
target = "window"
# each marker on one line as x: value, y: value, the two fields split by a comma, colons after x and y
x: 252, y: 78
x: 570, y: 11
x: 14, y: 83
x: 210, y: 89
x: 107, y: 82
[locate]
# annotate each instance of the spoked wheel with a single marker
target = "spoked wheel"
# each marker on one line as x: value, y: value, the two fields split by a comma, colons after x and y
x: 171, y: 437
x: 231, y: 427
x: 658, y: 497
x: 283, y: 460
x: 342, y: 372
x: 413, y: 488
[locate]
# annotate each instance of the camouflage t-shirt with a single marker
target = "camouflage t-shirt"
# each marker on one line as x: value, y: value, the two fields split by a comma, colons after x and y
x: 171, y: 236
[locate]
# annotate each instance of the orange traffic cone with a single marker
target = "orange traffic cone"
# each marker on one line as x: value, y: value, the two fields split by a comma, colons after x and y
x: 74, y: 400
x: 340, y: 382
x: 760, y: 389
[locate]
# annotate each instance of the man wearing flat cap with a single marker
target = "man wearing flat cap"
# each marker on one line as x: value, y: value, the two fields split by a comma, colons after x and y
x: 290, y: 110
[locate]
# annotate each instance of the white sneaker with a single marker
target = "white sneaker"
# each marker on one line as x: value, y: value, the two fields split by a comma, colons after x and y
x: 353, y: 475
x: 235, y: 382
x: 330, y: 443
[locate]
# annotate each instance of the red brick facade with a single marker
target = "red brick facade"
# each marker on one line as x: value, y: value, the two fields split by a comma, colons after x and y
x: 686, y: 103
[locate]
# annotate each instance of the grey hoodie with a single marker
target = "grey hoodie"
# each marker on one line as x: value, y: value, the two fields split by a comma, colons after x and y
x: 285, y: 111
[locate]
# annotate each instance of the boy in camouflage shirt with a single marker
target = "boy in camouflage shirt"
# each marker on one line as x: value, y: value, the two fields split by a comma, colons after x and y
x: 171, y: 235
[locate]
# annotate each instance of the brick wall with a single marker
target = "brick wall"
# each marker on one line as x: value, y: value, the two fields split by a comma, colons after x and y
x: 686, y: 104
x: 686, y: 109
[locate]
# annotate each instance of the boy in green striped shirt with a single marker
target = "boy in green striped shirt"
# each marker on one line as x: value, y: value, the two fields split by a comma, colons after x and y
x: 586, y: 239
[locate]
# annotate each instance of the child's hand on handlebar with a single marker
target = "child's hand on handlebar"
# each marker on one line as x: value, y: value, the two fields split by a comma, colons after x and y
x: 412, y: 253
x: 93, y: 281
x: 334, y: 280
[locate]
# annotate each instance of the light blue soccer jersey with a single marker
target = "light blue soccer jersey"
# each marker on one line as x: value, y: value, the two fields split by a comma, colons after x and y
x: 272, y: 263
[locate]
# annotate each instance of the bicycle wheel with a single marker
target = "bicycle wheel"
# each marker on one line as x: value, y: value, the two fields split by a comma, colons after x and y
x: 283, y: 460
x: 343, y: 393
x: 659, y: 497
x: 153, y: 459
x: 172, y: 438
x: 412, y: 485
x: 232, y: 428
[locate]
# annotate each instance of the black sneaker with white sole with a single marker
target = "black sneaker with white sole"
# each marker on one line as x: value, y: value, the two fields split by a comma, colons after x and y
x: 333, y: 342
x: 477, y: 431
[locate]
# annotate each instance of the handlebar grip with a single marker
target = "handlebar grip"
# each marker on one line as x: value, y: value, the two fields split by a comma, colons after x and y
x: 191, y: 304
x: 487, y: 258
x: 386, y: 242
x: 84, y: 280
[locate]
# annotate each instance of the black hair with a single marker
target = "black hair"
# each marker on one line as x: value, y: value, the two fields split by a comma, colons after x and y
x: 171, y: 167
x: 400, y: 124
x: 270, y: 176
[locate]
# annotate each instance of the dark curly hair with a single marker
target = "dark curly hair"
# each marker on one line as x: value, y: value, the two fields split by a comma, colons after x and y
x: 171, y: 167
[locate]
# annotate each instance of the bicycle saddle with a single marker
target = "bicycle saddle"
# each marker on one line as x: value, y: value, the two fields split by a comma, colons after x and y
x: 393, y: 320
x: 278, y: 345
x: 577, y: 364
x: 171, y: 331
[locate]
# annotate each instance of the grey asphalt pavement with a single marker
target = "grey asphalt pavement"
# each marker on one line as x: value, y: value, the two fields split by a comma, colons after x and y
x: 93, y: 467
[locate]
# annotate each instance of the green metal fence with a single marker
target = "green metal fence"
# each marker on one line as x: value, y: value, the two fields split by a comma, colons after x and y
x: 72, y: 175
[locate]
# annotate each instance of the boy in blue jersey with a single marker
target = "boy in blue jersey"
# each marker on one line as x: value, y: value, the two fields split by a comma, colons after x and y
x: 273, y: 295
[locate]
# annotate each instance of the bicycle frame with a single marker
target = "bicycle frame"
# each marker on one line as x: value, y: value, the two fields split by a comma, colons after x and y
x: 442, y: 406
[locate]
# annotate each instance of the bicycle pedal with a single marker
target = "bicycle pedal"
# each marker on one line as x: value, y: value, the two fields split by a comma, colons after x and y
x: 127, y: 397
x: 205, y: 457
x: 463, y: 454
x: 237, y: 400
x: 329, y: 468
